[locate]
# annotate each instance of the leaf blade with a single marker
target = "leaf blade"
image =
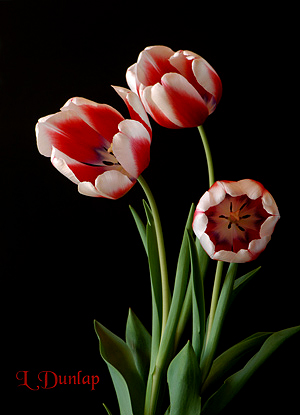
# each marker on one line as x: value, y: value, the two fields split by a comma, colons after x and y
x: 235, y: 382
x: 139, y: 341
x: 223, y: 363
x: 198, y: 300
x: 184, y: 383
x: 128, y: 383
x: 222, y: 306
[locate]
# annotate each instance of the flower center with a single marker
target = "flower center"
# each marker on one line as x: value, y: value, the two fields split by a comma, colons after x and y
x: 235, y: 217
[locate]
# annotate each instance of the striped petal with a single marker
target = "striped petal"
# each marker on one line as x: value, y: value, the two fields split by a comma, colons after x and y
x: 101, y: 117
x: 74, y: 170
x: 131, y: 147
x: 67, y: 132
x: 136, y: 109
x: 207, y: 77
x: 113, y: 184
x: 179, y: 101
x: 153, y: 63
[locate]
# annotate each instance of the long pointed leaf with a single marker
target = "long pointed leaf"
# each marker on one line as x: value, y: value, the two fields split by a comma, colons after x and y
x: 198, y: 301
x: 223, y: 363
x: 234, y: 383
x: 203, y: 259
x: 184, y: 383
x: 166, y: 346
x: 181, y: 278
x: 222, y: 306
x: 139, y: 341
x: 107, y: 410
x: 127, y: 381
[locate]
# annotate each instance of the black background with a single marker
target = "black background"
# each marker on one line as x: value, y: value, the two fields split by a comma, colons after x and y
x: 69, y: 259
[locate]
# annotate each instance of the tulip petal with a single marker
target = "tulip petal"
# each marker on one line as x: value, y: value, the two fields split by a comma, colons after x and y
x: 199, y: 223
x: 132, y: 79
x: 153, y: 109
x: 88, y: 189
x: 60, y: 161
x: 214, y: 196
x: 258, y: 245
x: 136, y: 109
x: 207, y: 78
x: 101, y: 117
x: 153, y: 63
x: 269, y: 204
x: 74, y: 170
x: 207, y: 245
x: 179, y: 101
x: 268, y: 226
x: 113, y: 184
x: 183, y: 62
x: 251, y: 188
x: 67, y: 132
x: 131, y: 147
x: 243, y: 255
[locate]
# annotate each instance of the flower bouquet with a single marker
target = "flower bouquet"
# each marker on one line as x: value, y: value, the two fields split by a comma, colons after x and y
x: 93, y: 145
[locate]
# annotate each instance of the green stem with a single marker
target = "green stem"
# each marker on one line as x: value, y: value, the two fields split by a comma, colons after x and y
x: 208, y: 156
x: 214, y: 298
x: 218, y: 276
x: 166, y: 297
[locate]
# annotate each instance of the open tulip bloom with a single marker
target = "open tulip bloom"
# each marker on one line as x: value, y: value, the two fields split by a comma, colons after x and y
x: 95, y: 147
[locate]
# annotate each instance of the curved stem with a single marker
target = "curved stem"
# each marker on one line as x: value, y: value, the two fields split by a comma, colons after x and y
x: 210, y: 165
x: 166, y: 297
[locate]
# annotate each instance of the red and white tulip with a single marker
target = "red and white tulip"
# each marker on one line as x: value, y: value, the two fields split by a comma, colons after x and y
x: 234, y: 221
x: 95, y: 147
x: 178, y: 90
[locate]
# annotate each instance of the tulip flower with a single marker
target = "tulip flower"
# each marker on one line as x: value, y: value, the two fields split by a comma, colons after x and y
x: 234, y: 221
x: 95, y: 147
x: 178, y: 90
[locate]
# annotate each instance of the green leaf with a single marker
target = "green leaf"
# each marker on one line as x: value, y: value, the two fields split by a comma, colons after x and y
x: 166, y: 346
x: 198, y: 300
x: 222, y: 306
x: 139, y: 341
x: 223, y: 363
x: 184, y: 383
x: 180, y: 285
x: 203, y: 259
x: 235, y: 382
x: 128, y: 383
x: 148, y: 212
x: 140, y: 226
x: 187, y: 303
x: 107, y: 410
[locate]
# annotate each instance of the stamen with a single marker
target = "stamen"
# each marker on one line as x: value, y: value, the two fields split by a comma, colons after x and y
x: 229, y: 225
x: 240, y: 228
x: 243, y: 206
x: 245, y: 216
x: 230, y: 206
x: 223, y: 217
x: 108, y: 163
